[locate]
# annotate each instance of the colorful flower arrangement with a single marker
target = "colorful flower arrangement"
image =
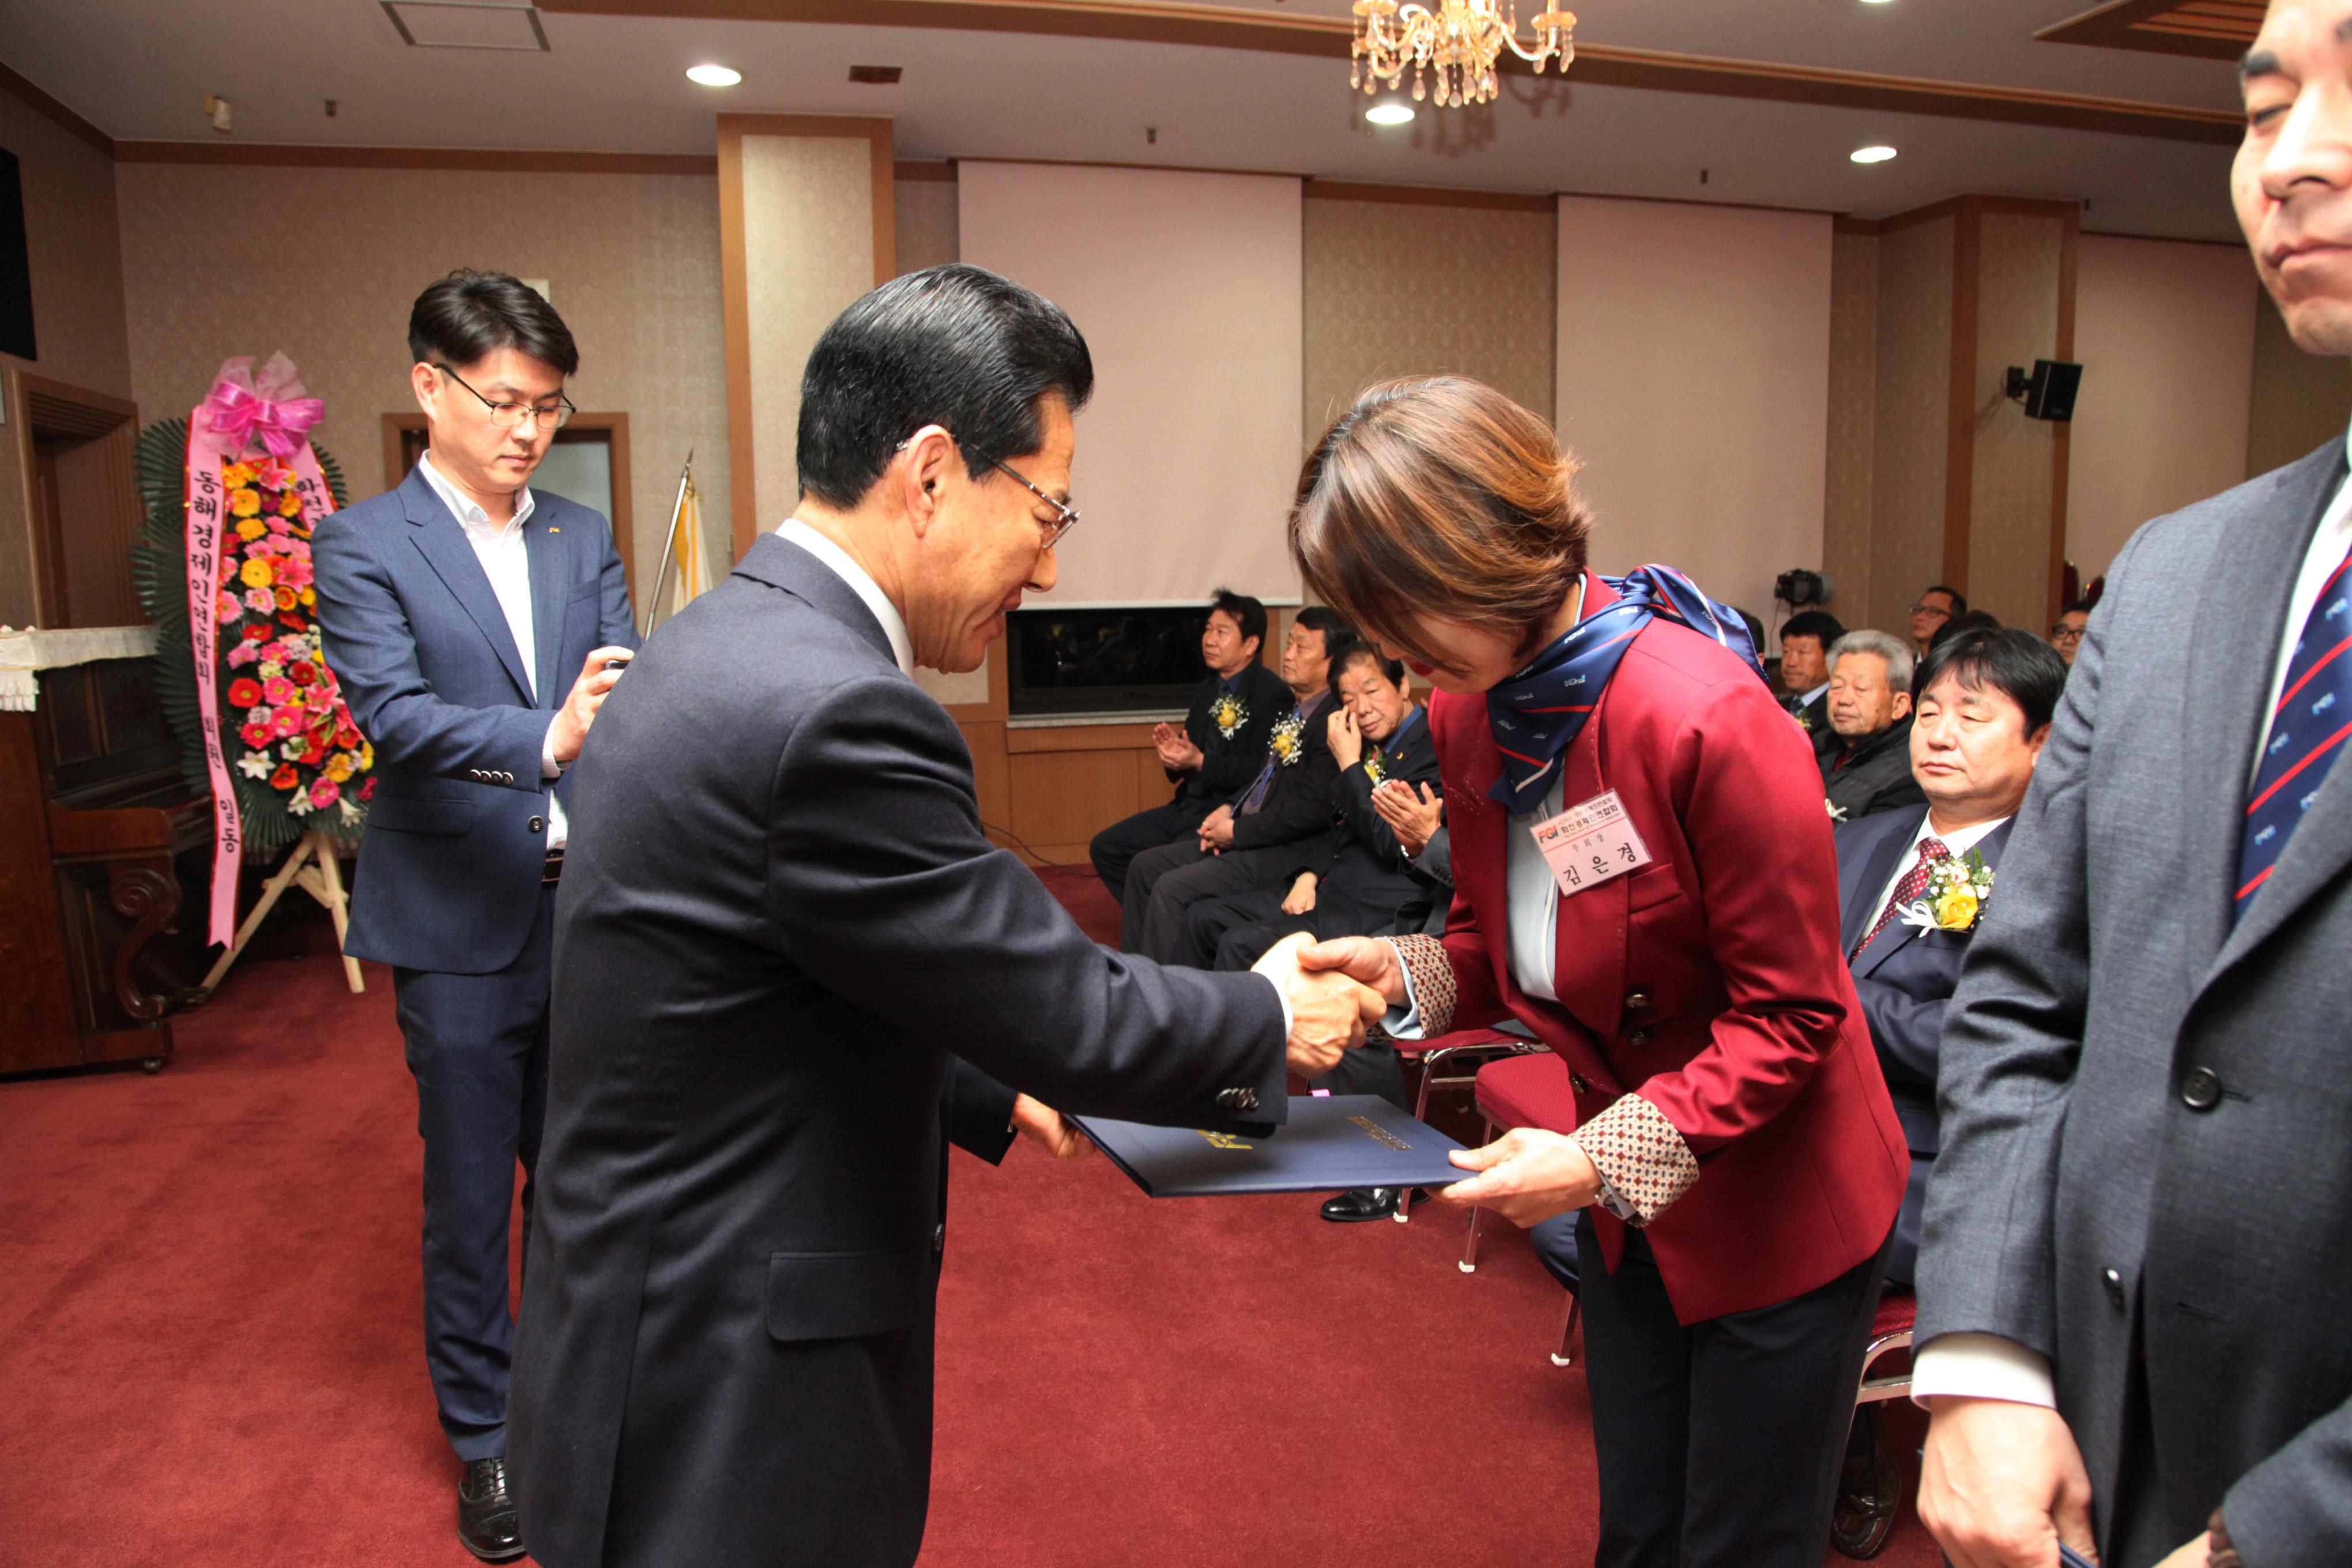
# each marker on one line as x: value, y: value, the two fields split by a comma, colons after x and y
x: 1376, y: 767
x: 1229, y: 713
x: 1955, y: 896
x: 298, y: 734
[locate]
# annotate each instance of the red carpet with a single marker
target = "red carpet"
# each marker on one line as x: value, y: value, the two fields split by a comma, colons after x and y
x: 210, y: 1341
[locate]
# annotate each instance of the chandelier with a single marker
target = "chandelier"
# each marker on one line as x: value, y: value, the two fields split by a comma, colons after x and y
x: 1462, y: 38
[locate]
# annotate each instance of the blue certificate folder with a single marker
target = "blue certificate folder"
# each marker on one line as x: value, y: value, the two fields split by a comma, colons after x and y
x: 1330, y: 1143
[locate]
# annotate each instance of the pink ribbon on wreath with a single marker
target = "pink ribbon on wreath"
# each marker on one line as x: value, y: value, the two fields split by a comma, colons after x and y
x: 271, y: 408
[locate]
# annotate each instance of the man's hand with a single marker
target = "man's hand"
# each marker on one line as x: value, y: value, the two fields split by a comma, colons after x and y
x: 1365, y: 959
x: 1049, y: 1129
x: 1176, y: 750
x: 1301, y: 900
x: 1217, y: 831
x: 579, y: 710
x: 1413, y: 817
x: 1347, y: 738
x: 1328, y: 1012
x: 1526, y: 1176
x: 2004, y: 1484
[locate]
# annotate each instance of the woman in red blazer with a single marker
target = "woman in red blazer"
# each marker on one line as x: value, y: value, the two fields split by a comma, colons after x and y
x: 1736, y: 1156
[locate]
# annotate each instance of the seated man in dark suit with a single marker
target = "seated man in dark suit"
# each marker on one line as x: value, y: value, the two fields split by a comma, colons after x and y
x: 1220, y: 747
x: 1985, y: 702
x: 1289, y: 801
x: 1806, y: 639
x: 1869, y: 769
x: 1353, y: 879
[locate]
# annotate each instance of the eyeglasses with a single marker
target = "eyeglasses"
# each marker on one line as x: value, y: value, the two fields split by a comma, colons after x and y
x: 2064, y: 633
x: 513, y: 416
x: 1927, y: 609
x: 1065, y: 517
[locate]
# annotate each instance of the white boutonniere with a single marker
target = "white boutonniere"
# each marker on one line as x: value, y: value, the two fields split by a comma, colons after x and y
x: 1837, y: 812
x: 1228, y: 713
x: 1284, y: 743
x: 1955, y: 899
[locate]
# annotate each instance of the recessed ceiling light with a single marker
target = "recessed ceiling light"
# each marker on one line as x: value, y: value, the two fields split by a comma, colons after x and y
x: 713, y: 76
x: 1389, y: 113
x: 1874, y: 2
x: 1871, y: 154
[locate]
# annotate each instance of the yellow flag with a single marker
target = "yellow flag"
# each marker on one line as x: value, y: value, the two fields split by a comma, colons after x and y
x: 684, y: 566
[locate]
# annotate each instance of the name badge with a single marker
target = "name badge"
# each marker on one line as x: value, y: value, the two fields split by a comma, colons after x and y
x: 1589, y: 844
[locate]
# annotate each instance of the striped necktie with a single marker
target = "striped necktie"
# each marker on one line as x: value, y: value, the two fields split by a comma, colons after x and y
x: 2308, y: 727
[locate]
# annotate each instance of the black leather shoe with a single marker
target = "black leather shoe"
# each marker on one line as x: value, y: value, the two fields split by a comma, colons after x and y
x: 1869, y: 1490
x: 1360, y: 1203
x: 487, y: 1524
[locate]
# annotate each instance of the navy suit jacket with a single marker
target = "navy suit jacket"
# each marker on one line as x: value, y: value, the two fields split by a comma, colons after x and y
x: 1365, y: 877
x: 780, y: 916
x: 1905, y: 976
x: 455, y: 846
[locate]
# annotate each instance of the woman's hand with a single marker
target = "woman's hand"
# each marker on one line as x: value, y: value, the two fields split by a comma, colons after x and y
x: 1302, y: 895
x: 1527, y: 1175
x: 1412, y: 813
x: 1347, y: 739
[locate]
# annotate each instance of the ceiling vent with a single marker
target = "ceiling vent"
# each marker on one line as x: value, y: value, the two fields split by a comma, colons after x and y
x: 467, y: 24
x: 876, y: 76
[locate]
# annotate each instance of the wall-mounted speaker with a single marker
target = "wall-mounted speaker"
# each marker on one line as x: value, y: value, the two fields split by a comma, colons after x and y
x: 2049, y: 392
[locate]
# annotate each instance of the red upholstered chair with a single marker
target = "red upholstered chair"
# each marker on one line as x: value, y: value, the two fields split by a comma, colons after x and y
x: 1897, y: 1312
x: 1471, y: 1049
x: 1526, y: 1091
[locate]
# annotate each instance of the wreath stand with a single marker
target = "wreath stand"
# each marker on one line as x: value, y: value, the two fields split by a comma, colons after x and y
x: 323, y: 881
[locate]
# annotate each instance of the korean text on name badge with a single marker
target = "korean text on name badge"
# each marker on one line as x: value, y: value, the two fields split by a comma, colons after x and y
x: 1590, y: 843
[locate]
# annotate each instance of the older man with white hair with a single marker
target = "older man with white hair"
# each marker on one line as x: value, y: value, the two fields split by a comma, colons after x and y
x: 1868, y: 769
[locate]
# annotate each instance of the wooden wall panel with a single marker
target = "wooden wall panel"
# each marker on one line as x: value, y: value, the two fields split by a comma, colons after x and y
x: 1068, y: 797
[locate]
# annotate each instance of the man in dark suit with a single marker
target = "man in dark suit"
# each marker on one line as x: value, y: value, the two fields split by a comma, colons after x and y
x: 1869, y: 768
x: 2140, y: 1229
x: 469, y: 619
x: 1352, y: 880
x: 1806, y: 639
x: 1242, y: 845
x: 1220, y: 748
x: 782, y: 917
x: 1984, y: 708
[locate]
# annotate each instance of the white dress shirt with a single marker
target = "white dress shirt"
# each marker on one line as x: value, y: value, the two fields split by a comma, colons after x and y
x: 1986, y: 1366
x: 842, y: 565
x: 503, y: 550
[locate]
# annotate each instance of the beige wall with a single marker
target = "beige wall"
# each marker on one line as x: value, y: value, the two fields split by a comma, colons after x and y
x: 1398, y: 288
x: 2013, y: 459
x: 76, y: 256
x: 2165, y: 333
x: 1694, y: 382
x: 631, y: 260
x: 1852, y: 421
x: 926, y: 224
x: 2298, y: 399
x: 1910, y: 446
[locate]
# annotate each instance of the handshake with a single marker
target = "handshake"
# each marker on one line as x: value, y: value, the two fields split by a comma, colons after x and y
x: 1330, y: 1007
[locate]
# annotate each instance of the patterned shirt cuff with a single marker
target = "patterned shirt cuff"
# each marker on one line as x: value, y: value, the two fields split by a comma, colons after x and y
x: 1642, y: 1159
x: 1429, y: 984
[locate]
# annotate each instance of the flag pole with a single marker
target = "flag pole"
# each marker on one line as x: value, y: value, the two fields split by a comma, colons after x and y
x: 670, y: 541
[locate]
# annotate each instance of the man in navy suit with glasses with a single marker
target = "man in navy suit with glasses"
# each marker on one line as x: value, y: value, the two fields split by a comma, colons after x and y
x: 471, y: 621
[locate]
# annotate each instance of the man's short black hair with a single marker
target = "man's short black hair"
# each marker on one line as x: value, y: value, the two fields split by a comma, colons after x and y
x: 1964, y: 621
x: 2079, y: 607
x: 1248, y: 613
x: 1356, y: 653
x: 1337, y: 632
x: 470, y: 314
x: 955, y: 346
x: 1959, y: 600
x: 2016, y: 664
x: 1818, y: 624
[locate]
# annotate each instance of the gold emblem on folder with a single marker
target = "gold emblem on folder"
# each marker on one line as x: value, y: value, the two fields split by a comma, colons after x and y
x: 1378, y: 1133
x: 1222, y: 1140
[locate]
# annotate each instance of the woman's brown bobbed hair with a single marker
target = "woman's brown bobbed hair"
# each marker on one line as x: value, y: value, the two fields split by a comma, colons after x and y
x: 1440, y: 496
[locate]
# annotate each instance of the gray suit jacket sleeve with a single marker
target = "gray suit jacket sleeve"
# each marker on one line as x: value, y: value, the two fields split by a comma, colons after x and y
x: 2011, y: 1041
x: 882, y: 887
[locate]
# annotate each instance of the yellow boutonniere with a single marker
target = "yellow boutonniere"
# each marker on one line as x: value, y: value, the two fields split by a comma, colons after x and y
x: 1284, y: 743
x: 1375, y: 769
x: 1228, y: 713
x: 1955, y: 898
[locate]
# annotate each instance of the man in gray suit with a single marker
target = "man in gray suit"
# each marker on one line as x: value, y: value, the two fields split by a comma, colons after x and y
x: 2138, y: 1235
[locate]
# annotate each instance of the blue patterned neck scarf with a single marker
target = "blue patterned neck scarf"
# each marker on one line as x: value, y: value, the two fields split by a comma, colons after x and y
x: 1537, y: 713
